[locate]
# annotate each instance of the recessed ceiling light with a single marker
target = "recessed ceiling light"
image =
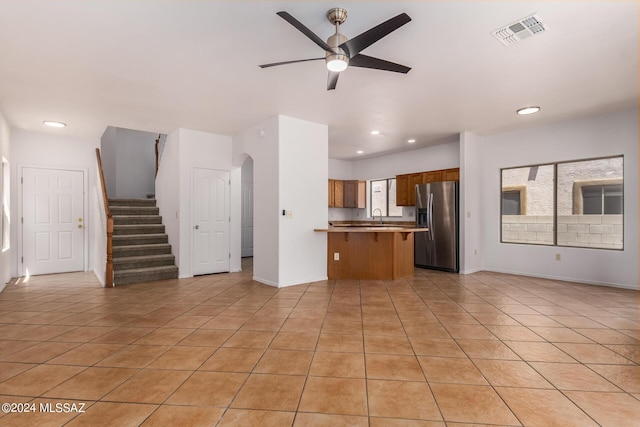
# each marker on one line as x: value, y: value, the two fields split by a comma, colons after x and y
x: 54, y: 124
x: 411, y: 141
x: 359, y: 152
x: 527, y: 110
x: 375, y: 132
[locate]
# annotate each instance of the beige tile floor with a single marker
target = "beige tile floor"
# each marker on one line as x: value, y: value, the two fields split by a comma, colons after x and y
x: 437, y: 349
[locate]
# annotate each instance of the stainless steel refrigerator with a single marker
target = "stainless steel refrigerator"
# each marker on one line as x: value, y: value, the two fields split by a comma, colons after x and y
x: 437, y: 209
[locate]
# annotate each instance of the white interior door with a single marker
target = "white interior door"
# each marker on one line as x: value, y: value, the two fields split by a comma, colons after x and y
x: 246, y: 226
x: 210, y: 221
x: 52, y: 221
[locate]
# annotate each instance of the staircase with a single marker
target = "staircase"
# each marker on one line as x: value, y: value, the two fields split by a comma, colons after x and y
x: 141, y: 252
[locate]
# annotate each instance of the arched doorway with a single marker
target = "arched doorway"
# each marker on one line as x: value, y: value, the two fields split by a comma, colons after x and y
x: 246, y: 221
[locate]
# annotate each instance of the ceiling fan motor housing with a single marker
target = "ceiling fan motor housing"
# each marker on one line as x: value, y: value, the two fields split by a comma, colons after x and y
x: 334, y: 41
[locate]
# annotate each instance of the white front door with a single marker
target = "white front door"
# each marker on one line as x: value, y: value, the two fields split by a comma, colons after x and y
x: 53, y: 221
x: 246, y: 225
x: 210, y: 221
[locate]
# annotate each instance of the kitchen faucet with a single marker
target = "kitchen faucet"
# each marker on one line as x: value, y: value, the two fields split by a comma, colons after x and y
x: 373, y: 214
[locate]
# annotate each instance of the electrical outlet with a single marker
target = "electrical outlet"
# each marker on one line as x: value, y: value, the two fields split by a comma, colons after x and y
x: 557, y: 257
x: 336, y: 256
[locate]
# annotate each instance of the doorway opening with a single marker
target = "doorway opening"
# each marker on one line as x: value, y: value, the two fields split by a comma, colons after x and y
x: 246, y: 227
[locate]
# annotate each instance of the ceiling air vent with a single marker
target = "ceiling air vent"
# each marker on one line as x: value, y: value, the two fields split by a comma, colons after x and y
x: 520, y: 30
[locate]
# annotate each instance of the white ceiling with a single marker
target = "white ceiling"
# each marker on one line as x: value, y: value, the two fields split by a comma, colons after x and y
x: 160, y: 65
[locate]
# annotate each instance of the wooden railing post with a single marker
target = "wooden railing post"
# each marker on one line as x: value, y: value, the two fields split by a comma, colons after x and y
x: 108, y: 273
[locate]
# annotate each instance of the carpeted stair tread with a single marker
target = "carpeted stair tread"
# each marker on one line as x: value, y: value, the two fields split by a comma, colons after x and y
x: 121, y: 230
x: 136, y: 219
x: 139, y: 239
x: 148, y: 274
x: 132, y: 202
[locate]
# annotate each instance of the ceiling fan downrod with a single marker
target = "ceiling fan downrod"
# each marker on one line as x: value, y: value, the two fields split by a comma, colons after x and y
x: 338, y: 60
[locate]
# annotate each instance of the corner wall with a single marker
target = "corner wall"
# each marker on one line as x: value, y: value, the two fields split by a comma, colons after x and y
x: 184, y: 150
x: 261, y: 143
x: 303, y: 169
x: 471, y: 196
x: 597, y: 136
x: 54, y: 150
x: 290, y: 170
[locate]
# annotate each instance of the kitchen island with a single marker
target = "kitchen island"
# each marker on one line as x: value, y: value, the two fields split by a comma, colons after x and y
x: 382, y: 252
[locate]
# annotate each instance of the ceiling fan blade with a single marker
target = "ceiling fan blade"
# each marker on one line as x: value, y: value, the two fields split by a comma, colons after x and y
x: 304, y: 30
x: 332, y: 80
x: 369, y: 37
x: 273, y: 64
x: 365, y: 61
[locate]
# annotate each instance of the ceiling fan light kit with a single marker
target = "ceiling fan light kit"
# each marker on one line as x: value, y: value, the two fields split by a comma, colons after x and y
x: 340, y: 51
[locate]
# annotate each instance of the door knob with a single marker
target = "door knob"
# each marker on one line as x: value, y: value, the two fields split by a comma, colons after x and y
x: 197, y: 227
x: 79, y: 225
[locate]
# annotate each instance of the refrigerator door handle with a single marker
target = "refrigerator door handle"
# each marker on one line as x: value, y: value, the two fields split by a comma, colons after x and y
x: 430, y: 215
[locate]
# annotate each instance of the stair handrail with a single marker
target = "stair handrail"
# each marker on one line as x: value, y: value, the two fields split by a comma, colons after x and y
x: 108, y: 275
x: 159, y: 149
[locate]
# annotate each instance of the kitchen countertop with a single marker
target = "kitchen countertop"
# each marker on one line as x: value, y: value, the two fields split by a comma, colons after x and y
x: 371, y: 229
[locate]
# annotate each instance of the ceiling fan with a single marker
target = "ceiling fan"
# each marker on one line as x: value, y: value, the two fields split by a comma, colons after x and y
x: 340, y: 52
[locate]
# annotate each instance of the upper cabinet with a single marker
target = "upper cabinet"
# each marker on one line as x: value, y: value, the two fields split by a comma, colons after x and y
x: 347, y: 194
x: 414, y: 179
x: 402, y: 190
x: 451, y: 174
x: 336, y: 193
x: 433, y: 176
x: 406, y: 184
x: 354, y: 194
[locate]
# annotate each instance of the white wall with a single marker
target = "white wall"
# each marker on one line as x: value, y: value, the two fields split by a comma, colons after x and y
x: 340, y: 169
x: 443, y: 156
x: 471, y: 210
x: 129, y: 162
x: 202, y: 150
x: 261, y: 143
x: 59, y: 151
x: 290, y: 172
x: 5, y: 256
x: 598, y: 136
x: 303, y: 170
x: 184, y: 150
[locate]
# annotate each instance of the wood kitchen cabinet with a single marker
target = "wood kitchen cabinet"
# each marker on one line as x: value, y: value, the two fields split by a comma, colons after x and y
x: 433, y: 176
x: 354, y: 194
x: 336, y: 193
x: 451, y: 174
x: 406, y: 184
x: 332, y: 193
x: 402, y: 190
x: 414, y: 179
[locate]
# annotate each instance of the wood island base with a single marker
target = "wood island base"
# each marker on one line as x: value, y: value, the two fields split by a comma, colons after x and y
x: 370, y: 254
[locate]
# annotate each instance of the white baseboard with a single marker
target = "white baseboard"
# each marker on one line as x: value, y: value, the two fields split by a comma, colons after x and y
x: 564, y: 279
